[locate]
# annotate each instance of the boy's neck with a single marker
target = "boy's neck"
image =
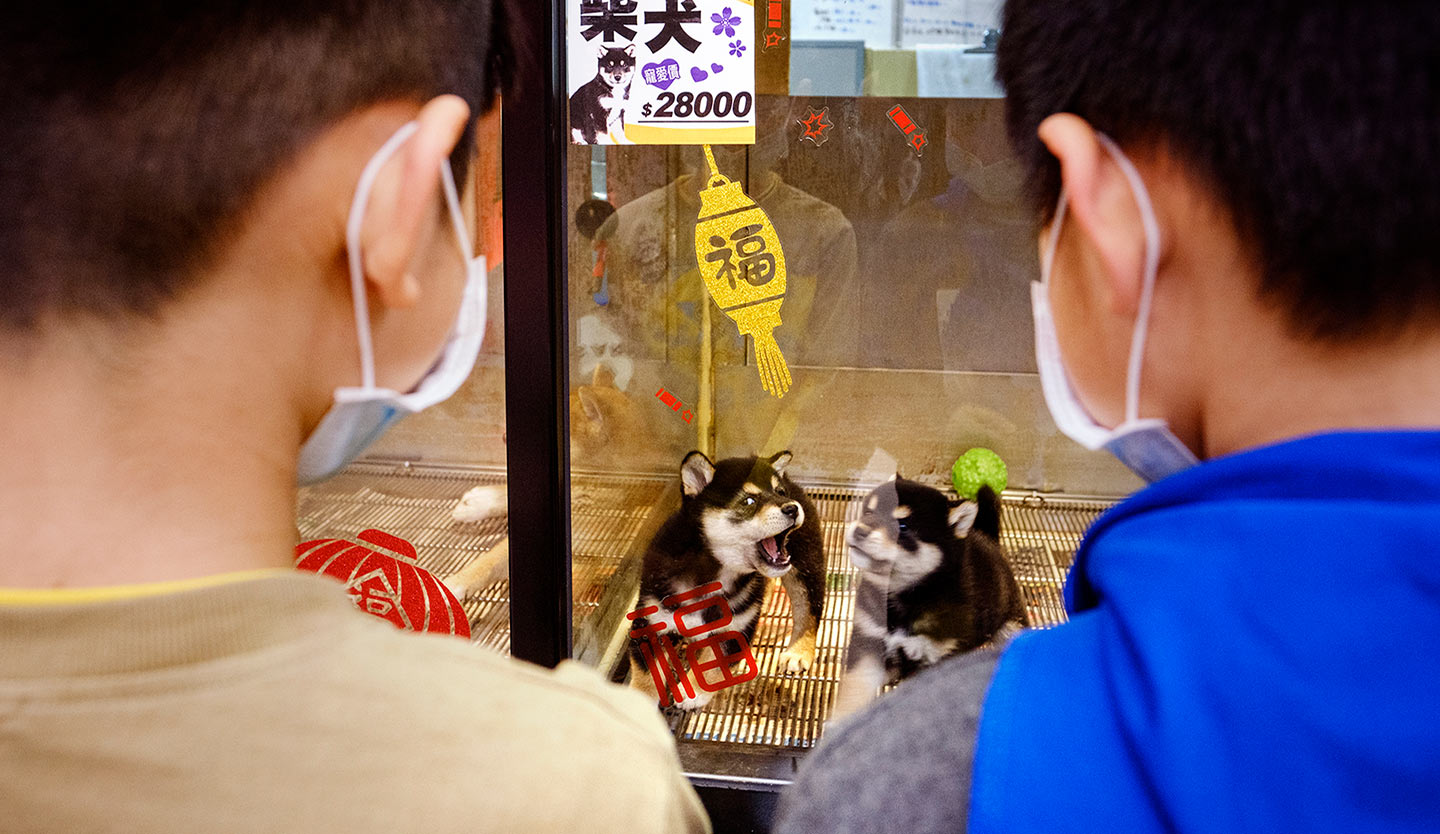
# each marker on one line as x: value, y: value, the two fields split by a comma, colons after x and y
x: 1228, y: 368
x: 1266, y: 390
x: 167, y: 476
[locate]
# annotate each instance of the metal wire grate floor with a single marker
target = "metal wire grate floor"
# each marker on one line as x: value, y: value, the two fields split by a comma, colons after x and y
x: 414, y: 503
x: 1040, y: 534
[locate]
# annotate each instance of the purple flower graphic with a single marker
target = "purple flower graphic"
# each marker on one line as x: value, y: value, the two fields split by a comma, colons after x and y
x: 737, y: 48
x: 725, y: 22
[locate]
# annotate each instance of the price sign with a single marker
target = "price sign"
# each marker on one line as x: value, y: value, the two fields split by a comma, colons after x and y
x: 661, y: 72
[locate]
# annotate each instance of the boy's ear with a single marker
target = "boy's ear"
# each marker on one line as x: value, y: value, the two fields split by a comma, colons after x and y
x: 404, y: 196
x: 962, y: 517
x: 1103, y: 209
x: 696, y: 472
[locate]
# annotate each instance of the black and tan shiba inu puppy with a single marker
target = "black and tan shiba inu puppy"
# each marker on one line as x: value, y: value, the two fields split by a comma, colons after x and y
x: 933, y: 583
x: 598, y: 107
x: 740, y: 522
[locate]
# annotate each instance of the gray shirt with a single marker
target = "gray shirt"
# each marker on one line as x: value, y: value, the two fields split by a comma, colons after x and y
x: 902, y: 765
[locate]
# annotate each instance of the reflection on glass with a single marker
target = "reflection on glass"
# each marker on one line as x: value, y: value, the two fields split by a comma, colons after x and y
x: 967, y: 253
x: 906, y: 328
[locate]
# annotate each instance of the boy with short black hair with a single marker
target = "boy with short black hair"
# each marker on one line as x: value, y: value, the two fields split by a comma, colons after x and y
x: 231, y: 252
x: 1239, y: 268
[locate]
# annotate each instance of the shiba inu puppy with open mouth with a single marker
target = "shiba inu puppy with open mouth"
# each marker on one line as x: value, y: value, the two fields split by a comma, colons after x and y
x: 740, y: 523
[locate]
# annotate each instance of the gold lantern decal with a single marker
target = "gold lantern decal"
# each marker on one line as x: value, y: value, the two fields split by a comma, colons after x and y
x: 744, y: 269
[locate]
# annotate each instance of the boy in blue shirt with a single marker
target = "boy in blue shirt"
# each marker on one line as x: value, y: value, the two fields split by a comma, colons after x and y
x: 1240, y: 298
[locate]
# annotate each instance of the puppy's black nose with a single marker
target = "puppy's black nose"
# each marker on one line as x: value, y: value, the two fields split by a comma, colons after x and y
x: 792, y: 509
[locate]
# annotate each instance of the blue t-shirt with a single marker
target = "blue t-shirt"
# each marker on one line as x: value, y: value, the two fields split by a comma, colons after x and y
x: 1254, y: 645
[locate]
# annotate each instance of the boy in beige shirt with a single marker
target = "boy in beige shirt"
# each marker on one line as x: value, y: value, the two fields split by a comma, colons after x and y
x: 229, y: 238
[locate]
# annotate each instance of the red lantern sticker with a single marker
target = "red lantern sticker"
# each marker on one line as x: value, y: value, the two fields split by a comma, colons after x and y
x: 382, y: 576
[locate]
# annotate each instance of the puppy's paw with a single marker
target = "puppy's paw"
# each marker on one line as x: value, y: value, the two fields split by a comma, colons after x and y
x: 797, y: 659
x: 480, y: 503
x: 699, y: 701
x: 457, y: 588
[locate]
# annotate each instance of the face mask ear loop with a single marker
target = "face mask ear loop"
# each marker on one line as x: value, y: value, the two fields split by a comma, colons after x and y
x: 1147, y: 288
x: 1052, y: 246
x: 352, y: 245
x: 457, y: 217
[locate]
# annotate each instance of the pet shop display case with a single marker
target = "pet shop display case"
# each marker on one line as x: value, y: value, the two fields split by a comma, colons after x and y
x: 890, y: 331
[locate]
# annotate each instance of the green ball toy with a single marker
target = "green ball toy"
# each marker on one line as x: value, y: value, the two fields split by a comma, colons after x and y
x: 978, y: 467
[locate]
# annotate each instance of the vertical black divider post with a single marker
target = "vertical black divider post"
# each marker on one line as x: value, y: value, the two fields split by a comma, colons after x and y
x: 537, y: 386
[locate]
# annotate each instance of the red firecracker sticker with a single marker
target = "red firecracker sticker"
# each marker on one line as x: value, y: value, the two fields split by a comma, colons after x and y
x: 817, y: 126
x: 675, y: 404
x: 914, y: 135
x: 774, y: 23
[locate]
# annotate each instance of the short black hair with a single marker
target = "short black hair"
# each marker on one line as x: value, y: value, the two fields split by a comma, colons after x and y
x: 1316, y: 124
x: 133, y: 136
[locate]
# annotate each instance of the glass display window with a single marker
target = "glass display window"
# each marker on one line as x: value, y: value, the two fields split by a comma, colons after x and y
x: 736, y: 291
x: 883, y: 178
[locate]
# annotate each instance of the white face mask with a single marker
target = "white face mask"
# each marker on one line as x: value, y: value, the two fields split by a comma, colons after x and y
x: 360, y: 415
x: 1147, y: 446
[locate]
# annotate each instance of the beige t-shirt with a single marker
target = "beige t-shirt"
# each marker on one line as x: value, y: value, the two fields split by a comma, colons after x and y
x: 269, y: 703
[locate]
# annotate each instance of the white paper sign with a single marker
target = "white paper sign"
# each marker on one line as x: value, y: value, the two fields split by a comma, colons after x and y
x: 661, y: 72
x: 953, y: 72
x: 872, y: 21
x: 947, y: 21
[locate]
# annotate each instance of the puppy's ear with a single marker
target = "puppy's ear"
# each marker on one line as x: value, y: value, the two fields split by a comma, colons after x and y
x: 962, y: 517
x: 780, y: 460
x: 590, y: 404
x: 696, y: 472
x: 893, y: 478
x: 630, y: 50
